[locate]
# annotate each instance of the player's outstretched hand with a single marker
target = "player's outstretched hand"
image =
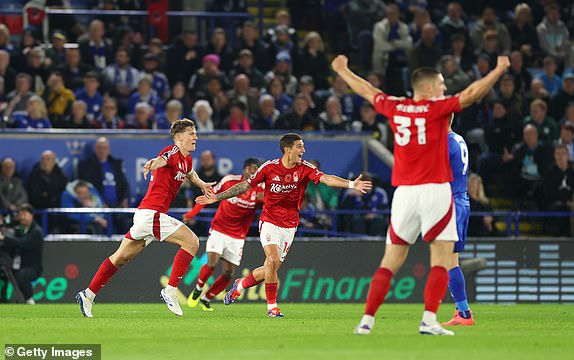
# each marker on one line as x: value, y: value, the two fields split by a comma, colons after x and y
x: 503, y: 63
x: 204, y: 200
x: 340, y: 62
x: 363, y: 186
x: 207, y: 189
x: 147, y: 168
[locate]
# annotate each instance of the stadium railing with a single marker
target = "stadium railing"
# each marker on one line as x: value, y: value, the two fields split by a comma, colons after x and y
x: 511, y: 218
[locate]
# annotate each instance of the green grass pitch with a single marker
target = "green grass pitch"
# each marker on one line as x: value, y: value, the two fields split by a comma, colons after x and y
x: 309, y: 331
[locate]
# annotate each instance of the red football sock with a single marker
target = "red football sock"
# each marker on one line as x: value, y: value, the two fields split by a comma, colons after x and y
x: 102, y: 276
x: 218, y: 286
x: 204, y: 274
x: 249, y: 281
x: 180, y: 264
x: 435, y: 288
x: 271, y: 293
x: 379, y: 289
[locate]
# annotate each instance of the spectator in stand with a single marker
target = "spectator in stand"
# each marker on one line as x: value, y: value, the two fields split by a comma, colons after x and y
x: 554, y: 36
x: 552, y: 82
x: 12, y: 192
x: 333, y: 118
x: 537, y: 91
x: 567, y: 139
x: 565, y: 96
x: 7, y: 72
x: 18, y: 98
x: 490, y: 47
x: 281, y: 43
x: 121, y: 78
x: 335, y: 25
x: 217, y: 100
x: 245, y: 66
x: 47, y: 182
x: 374, y: 79
x: 81, y: 194
x: 522, y: 77
x: 463, y: 57
x: 59, y: 99
x: 340, y: 90
x: 143, y: 118
x: 558, y: 185
x: 145, y: 93
x: 546, y: 125
x: 243, y: 93
x: 210, y: 69
x: 109, y: 118
x: 184, y: 57
x: 173, y: 112
x: 221, y: 48
x: 568, y: 118
x: 179, y: 93
x: 248, y: 41
x: 307, y: 89
x: 426, y: 52
x: 452, y: 24
x: 202, y: 113
x: 282, y: 17
x: 420, y: 18
x: 5, y: 39
x: 391, y: 43
x: 482, y: 66
x: 37, y: 69
x: 479, y: 225
x: 300, y: 118
x: 362, y: 17
x: 515, y: 104
x: 66, y: 22
x: 237, y: 120
x: 370, y: 123
x: 267, y: 115
x: 487, y: 22
x: 455, y: 79
x: 96, y: 50
x: 78, y: 119
x: 35, y: 117
x: 500, y: 134
x: 207, y: 170
x: 529, y: 161
x: 91, y: 95
x: 73, y: 70
x: 282, y: 69
x: 312, y: 61
x: 159, y: 80
x: 57, y: 53
x: 155, y: 48
x: 28, y: 42
x: 276, y: 88
x: 523, y: 33
x: 126, y: 38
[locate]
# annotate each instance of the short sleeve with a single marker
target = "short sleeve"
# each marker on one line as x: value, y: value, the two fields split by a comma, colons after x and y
x: 259, y: 176
x: 168, y: 153
x: 314, y: 174
x: 384, y: 104
x: 446, y: 105
x: 223, y: 185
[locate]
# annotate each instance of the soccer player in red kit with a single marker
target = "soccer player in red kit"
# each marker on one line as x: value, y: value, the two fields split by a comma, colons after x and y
x: 168, y: 171
x: 285, y: 182
x: 229, y: 227
x: 423, y: 200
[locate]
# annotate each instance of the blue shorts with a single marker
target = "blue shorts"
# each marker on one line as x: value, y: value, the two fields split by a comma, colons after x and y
x: 462, y: 207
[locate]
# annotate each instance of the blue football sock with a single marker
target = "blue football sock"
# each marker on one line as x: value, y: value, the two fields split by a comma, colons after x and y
x: 457, y: 289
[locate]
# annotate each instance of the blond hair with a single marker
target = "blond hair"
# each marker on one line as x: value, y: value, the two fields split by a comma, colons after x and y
x: 180, y: 125
x: 39, y: 110
x: 313, y: 35
x: 481, y: 194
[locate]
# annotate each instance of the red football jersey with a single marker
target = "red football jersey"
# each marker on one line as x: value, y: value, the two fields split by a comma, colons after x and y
x: 166, y: 181
x: 284, y: 190
x: 235, y: 215
x: 421, y: 137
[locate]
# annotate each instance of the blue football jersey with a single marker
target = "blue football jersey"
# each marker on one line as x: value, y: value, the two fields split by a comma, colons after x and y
x: 458, y: 156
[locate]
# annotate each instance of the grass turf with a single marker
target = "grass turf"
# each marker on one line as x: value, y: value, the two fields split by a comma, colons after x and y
x: 309, y: 331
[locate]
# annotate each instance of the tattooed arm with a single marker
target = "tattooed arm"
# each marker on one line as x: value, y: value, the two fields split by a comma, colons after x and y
x: 233, y: 191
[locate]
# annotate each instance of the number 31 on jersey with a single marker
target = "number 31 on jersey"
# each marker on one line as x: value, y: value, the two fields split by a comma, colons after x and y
x: 403, y: 134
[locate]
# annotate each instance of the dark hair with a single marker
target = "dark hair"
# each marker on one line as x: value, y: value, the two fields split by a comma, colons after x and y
x: 422, y: 74
x: 250, y: 161
x: 26, y: 207
x: 561, y: 146
x: 238, y: 104
x: 180, y: 125
x: 288, y: 140
x: 81, y: 183
x: 92, y: 75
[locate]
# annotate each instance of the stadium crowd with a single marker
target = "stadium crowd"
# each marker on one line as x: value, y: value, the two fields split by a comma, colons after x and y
x: 111, y: 77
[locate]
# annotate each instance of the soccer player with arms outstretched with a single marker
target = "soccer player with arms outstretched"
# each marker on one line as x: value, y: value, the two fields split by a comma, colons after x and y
x: 229, y: 227
x: 285, y: 182
x: 458, y: 157
x: 168, y: 171
x: 423, y: 201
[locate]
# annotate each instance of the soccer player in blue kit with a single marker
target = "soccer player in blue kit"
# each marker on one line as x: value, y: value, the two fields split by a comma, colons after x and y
x: 458, y: 156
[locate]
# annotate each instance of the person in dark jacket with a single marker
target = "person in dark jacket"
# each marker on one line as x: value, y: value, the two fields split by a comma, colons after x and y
x: 25, y: 246
x: 47, y: 182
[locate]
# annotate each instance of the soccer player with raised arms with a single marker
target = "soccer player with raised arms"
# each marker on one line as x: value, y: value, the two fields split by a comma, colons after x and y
x: 285, y: 182
x: 423, y: 201
x: 168, y: 171
x: 229, y: 227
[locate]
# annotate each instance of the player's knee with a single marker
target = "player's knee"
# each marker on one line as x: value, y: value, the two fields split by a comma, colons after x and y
x: 228, y: 274
x: 191, y: 243
x: 273, y: 262
x: 120, y: 260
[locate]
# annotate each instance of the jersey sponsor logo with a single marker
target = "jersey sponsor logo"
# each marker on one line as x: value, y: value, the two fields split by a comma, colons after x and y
x: 242, y: 202
x: 179, y: 176
x: 280, y: 188
x: 413, y: 109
